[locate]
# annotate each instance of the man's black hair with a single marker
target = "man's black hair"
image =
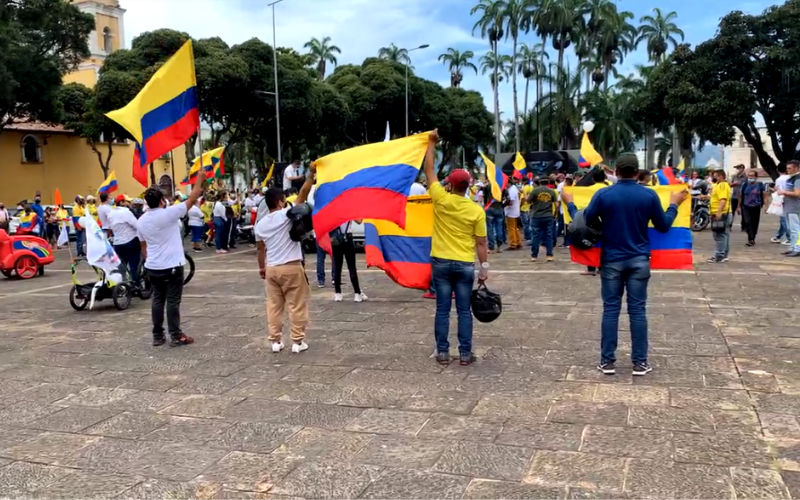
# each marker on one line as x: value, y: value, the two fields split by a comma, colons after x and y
x: 103, y: 197
x: 598, y: 175
x: 153, y: 197
x: 569, y: 181
x: 643, y: 176
x: 293, y: 191
x: 273, y: 197
x: 781, y: 168
x: 793, y: 162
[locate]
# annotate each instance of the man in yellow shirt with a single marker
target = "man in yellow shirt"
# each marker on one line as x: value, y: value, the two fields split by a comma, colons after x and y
x: 459, y: 231
x: 721, y: 211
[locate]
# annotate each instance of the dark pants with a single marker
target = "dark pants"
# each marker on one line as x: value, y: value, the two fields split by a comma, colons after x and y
x: 130, y: 254
x: 734, y: 206
x: 751, y: 216
x: 630, y: 275
x: 220, y: 234
x: 80, y: 242
x: 345, y: 252
x: 494, y: 229
x: 559, y: 228
x: 167, y: 287
x: 542, y: 229
x: 449, y: 277
x: 321, y: 255
x: 232, y: 225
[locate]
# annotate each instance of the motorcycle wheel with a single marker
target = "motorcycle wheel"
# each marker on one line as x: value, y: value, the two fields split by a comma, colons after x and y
x: 701, y: 221
x: 190, y: 263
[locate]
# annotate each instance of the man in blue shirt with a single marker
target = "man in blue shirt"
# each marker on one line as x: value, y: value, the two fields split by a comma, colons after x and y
x: 39, y: 210
x: 624, y: 211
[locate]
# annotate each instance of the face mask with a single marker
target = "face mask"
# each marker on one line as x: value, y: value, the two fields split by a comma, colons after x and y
x: 751, y: 180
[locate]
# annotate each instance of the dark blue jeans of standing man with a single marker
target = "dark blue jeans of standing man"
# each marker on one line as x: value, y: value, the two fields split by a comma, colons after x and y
x: 631, y: 276
x: 321, y: 255
x: 494, y: 229
x: 542, y: 229
x: 130, y: 254
x: 80, y: 242
x: 451, y: 276
x: 220, y: 233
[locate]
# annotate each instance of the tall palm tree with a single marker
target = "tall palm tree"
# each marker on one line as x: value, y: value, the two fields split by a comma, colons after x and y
x: 456, y: 61
x: 530, y: 66
x: 542, y: 23
x: 516, y: 17
x: 394, y: 53
x: 596, y: 12
x: 566, y: 20
x: 490, y: 24
x: 561, y: 107
x: 321, y: 53
x: 659, y: 32
x: 617, y: 126
x: 498, y: 65
x: 616, y: 39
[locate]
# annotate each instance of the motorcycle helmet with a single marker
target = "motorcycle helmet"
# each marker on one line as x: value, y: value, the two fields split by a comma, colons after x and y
x: 581, y: 234
x: 486, y: 305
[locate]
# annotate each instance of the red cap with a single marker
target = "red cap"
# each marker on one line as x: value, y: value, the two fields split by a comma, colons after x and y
x: 120, y: 198
x: 459, y: 178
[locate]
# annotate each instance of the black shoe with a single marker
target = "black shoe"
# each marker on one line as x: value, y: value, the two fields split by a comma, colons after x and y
x: 443, y: 358
x: 750, y: 243
x: 642, y: 368
x: 787, y: 252
x: 467, y: 358
x: 794, y: 254
x: 157, y: 341
x: 181, y: 340
x: 607, y: 368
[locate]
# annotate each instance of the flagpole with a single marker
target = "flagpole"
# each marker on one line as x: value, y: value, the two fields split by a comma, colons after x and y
x: 172, y: 164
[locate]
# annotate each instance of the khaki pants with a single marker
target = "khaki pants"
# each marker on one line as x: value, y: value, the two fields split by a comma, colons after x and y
x: 287, y: 288
x: 514, y: 236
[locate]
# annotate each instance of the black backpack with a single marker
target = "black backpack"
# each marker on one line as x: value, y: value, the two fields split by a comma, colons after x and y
x: 581, y: 234
x: 302, y: 225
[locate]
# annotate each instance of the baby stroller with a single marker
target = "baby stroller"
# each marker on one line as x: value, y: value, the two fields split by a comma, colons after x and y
x: 116, y: 286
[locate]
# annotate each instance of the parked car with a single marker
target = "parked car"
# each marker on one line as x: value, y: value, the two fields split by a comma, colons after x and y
x: 13, y: 224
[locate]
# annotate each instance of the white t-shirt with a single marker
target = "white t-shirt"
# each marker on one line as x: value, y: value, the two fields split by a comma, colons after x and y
x: 123, y: 223
x: 102, y: 214
x: 780, y: 182
x: 158, y: 227
x: 291, y: 171
x: 512, y: 210
x: 219, y: 210
x: 417, y: 189
x: 196, y: 217
x: 273, y: 230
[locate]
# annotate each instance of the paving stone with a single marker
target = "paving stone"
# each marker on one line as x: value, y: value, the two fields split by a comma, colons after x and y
x: 80, y: 484
x: 534, y: 409
x: 442, y: 401
x: 317, y: 374
x: 759, y: 382
x: 726, y: 449
x: 778, y: 403
x: 710, y: 398
x: 52, y: 448
x: 19, y: 479
x: 260, y: 410
x: 664, y: 479
x: 627, y: 442
x: 402, y: 483
x: 737, y: 422
x: 589, y: 413
x: 158, y: 489
x: 787, y: 453
x: 159, y: 382
x: 174, y: 461
x: 548, y: 436
x: 306, y: 392
x: 96, y: 396
x: 722, y: 381
x: 110, y: 455
x: 486, y: 489
x: 631, y: 395
x: 248, y: 471
x: 218, y: 368
x: 466, y: 427
x: 378, y: 397
x: 484, y: 460
x: 376, y: 421
x: 202, y: 406
x: 395, y: 451
x: 256, y: 437
x: 583, y: 470
x: 48, y: 393
x: 319, y: 444
x: 671, y: 419
x: 324, y: 416
x: 792, y: 481
x: 12, y: 436
x: 206, y: 385
x: 128, y: 425
x: 267, y: 389
x: 327, y: 480
x: 776, y: 425
x: 758, y: 483
x: 72, y: 419
x: 188, y: 430
x: 25, y: 412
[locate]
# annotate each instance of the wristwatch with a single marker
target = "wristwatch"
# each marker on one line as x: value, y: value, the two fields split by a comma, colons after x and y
x: 484, y: 265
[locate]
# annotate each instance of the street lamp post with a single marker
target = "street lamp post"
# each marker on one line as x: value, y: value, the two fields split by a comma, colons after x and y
x: 275, y: 68
x: 408, y: 61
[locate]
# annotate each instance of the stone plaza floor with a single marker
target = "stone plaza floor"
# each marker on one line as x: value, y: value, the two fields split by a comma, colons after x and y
x: 89, y: 409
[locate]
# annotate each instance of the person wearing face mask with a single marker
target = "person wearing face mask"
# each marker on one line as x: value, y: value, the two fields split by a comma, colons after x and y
x: 162, y: 249
x: 38, y: 209
x: 753, y: 199
x: 221, y: 223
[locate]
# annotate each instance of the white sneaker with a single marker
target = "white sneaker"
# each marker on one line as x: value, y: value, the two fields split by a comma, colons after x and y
x: 298, y: 348
x: 775, y: 240
x: 337, y: 297
x: 277, y: 346
x: 360, y: 297
x: 786, y: 243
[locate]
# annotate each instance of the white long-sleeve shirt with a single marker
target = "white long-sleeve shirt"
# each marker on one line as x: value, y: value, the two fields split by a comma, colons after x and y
x: 123, y: 224
x: 219, y: 210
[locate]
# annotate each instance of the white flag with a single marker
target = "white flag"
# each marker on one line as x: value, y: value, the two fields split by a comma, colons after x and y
x: 63, y: 236
x: 100, y: 253
x: 388, y: 135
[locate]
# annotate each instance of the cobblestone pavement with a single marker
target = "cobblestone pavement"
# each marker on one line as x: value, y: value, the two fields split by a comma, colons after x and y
x: 88, y: 408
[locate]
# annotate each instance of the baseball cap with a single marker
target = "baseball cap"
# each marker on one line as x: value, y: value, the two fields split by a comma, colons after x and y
x: 121, y: 197
x: 459, y: 178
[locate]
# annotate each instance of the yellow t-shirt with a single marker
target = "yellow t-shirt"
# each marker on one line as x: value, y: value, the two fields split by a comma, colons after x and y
x: 290, y: 199
x: 456, y: 222
x: 526, y: 191
x: 92, y: 209
x: 720, y: 191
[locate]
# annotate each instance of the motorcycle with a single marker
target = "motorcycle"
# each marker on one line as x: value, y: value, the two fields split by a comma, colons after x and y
x: 701, y: 215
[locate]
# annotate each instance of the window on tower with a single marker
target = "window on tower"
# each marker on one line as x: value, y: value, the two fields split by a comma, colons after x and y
x: 107, y: 45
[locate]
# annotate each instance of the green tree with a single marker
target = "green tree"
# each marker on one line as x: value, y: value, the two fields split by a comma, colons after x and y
x: 394, y: 53
x: 516, y: 18
x: 658, y: 32
x: 456, y: 62
x: 40, y: 41
x: 530, y: 67
x: 322, y: 52
x: 490, y: 24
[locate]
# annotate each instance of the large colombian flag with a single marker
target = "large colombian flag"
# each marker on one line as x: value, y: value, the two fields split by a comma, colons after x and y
x: 404, y: 254
x: 164, y: 114
x: 366, y: 182
x: 670, y: 250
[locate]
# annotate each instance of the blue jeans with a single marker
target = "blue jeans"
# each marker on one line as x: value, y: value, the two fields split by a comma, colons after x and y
x: 783, y: 229
x: 525, y: 219
x: 542, y: 228
x: 451, y: 276
x: 793, y: 221
x: 321, y: 266
x: 80, y: 241
x: 494, y: 229
x: 220, y: 234
x: 559, y: 228
x: 630, y: 275
x: 723, y: 239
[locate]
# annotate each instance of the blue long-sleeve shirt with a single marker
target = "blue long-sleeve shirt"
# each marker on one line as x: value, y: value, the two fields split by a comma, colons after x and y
x: 625, y: 211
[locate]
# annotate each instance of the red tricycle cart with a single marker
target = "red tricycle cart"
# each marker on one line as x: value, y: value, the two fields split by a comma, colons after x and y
x: 23, y: 255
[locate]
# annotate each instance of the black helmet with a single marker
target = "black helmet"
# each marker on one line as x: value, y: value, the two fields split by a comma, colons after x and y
x: 581, y: 234
x: 302, y: 224
x: 486, y: 305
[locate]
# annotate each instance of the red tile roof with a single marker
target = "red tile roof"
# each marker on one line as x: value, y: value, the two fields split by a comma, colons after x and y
x: 37, y: 127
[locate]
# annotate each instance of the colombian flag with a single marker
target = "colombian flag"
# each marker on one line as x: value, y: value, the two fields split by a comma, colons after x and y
x: 497, y: 179
x: 164, y: 114
x: 366, y: 182
x: 404, y: 254
x: 269, y: 175
x: 109, y: 185
x: 670, y: 250
x: 27, y: 222
x: 666, y: 177
x: 589, y: 156
x: 213, y: 164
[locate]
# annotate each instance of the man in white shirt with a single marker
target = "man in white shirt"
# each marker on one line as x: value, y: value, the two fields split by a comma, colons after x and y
x: 280, y: 264
x: 291, y: 173
x: 512, y: 211
x: 102, y: 212
x: 417, y: 189
x: 123, y: 225
x: 782, y: 236
x: 162, y: 248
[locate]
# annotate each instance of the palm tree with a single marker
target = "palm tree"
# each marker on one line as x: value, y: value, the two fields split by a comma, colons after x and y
x: 457, y: 61
x: 617, y: 126
x: 659, y: 32
x: 566, y: 20
x: 498, y: 64
x: 615, y: 40
x: 561, y: 107
x: 321, y: 53
x: 530, y: 66
x: 516, y: 16
x: 542, y: 22
x: 490, y: 24
x: 394, y: 53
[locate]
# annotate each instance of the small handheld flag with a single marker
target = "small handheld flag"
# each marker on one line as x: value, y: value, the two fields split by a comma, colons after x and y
x: 519, y: 163
x: 109, y: 185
